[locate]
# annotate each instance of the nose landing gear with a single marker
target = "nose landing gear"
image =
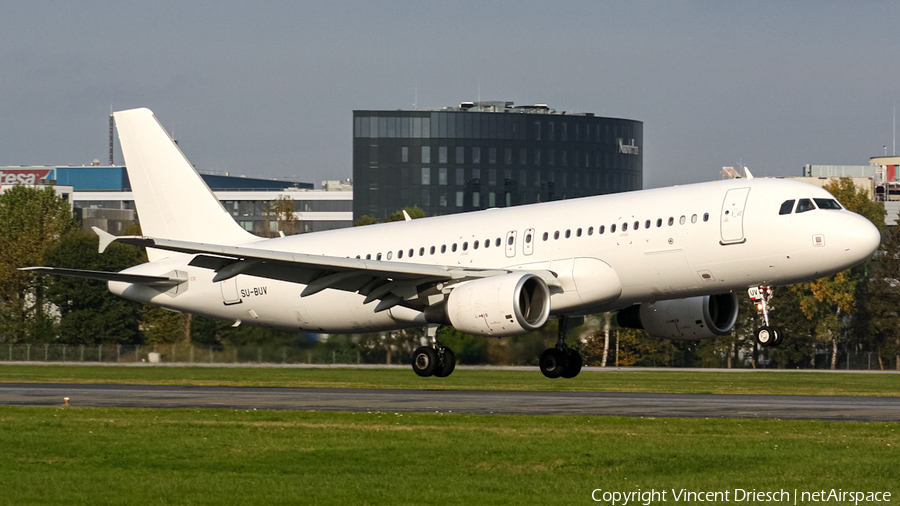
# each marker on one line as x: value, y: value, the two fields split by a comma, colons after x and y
x: 561, y: 361
x: 767, y: 335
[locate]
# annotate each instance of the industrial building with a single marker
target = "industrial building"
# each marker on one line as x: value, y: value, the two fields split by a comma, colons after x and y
x: 101, y: 196
x: 488, y: 154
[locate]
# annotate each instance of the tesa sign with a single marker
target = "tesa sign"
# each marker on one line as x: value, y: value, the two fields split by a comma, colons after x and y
x: 23, y: 176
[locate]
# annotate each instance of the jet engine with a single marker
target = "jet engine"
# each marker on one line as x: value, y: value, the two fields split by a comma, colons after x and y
x: 497, y: 306
x: 683, y: 319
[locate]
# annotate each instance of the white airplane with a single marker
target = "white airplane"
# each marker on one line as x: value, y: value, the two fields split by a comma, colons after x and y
x: 669, y: 260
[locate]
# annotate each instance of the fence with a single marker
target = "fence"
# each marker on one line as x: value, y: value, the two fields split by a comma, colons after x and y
x: 179, y: 353
x: 187, y: 353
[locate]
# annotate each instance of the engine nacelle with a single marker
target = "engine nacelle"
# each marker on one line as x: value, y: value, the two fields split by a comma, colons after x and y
x: 497, y: 306
x: 684, y: 319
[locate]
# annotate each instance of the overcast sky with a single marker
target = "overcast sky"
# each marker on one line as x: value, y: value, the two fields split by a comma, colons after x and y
x: 267, y: 89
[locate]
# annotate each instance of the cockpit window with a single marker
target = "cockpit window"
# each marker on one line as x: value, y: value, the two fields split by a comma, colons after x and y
x: 805, y: 205
x: 827, y: 204
x: 787, y: 207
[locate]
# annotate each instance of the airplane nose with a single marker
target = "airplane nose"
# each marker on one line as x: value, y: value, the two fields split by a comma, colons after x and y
x: 860, y: 237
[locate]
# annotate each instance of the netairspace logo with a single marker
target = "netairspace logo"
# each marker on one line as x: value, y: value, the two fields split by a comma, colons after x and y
x: 738, y: 496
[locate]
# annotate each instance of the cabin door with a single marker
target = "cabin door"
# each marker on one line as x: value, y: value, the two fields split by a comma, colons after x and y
x: 732, y: 219
x: 230, y: 291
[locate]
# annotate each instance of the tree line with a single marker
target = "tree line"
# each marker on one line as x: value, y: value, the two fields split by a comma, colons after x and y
x: 855, y: 310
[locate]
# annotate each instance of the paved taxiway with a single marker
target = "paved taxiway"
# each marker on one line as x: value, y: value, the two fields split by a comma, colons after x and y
x: 458, y: 401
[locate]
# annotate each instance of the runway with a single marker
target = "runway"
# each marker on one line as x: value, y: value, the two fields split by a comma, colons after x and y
x: 457, y: 401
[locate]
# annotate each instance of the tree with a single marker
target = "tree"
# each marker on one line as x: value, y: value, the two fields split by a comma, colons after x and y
x: 798, y: 348
x: 161, y: 326
x: 365, y: 220
x: 281, y: 217
x: 89, y: 313
x: 414, y: 213
x: 31, y: 221
x: 884, y: 299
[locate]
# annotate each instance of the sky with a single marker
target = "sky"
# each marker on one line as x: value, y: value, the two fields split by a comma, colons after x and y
x: 267, y: 88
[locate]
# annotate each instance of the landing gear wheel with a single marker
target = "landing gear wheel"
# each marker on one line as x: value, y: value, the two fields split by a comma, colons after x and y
x: 553, y: 362
x: 573, y: 364
x: 425, y: 361
x: 447, y: 365
x: 766, y: 335
x: 779, y: 335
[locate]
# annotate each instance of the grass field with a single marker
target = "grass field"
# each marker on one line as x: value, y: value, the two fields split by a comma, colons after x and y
x: 688, y: 381
x: 141, y: 456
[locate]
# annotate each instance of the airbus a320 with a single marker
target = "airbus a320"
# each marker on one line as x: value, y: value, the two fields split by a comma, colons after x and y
x: 668, y: 260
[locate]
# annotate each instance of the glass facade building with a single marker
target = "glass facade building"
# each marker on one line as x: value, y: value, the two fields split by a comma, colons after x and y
x: 488, y: 154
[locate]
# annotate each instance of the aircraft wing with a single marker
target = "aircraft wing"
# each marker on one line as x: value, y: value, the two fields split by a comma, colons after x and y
x: 389, y: 282
x: 106, y: 276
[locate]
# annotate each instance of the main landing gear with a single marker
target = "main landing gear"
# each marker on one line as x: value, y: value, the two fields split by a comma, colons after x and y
x: 561, y: 361
x: 767, y: 335
x: 433, y: 359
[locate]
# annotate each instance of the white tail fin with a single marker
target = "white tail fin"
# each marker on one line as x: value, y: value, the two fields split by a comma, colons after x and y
x: 172, y: 200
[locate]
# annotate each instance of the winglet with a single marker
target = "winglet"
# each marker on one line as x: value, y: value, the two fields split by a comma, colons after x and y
x: 406, y: 216
x: 105, y: 238
x: 747, y: 173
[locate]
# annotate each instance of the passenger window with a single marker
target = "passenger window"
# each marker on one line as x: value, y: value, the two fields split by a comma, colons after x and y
x: 475, y: 246
x: 624, y: 227
x: 399, y: 255
x: 682, y: 220
x: 487, y: 243
x: 357, y: 257
x: 590, y: 230
x: 568, y: 234
x: 378, y: 256
x: 527, y: 238
x: 647, y: 224
x: 443, y: 248
x: 546, y: 236
x: 410, y: 252
x: 602, y: 229
x: 497, y: 242
x: 453, y: 248
x: 369, y: 256
x: 705, y: 216
x: 612, y: 228
x: 510, y: 240
x: 671, y: 221
x: 578, y: 233
x: 431, y: 251
x: 465, y: 246
x: 827, y: 204
x: 636, y: 225
x: 786, y: 207
x: 805, y: 205
x: 658, y: 222
x: 694, y: 219
x: 390, y: 255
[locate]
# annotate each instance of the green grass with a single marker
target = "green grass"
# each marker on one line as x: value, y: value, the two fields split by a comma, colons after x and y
x: 143, y: 456
x: 688, y: 381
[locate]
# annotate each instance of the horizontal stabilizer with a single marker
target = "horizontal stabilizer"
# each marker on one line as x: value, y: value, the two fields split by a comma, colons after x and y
x: 107, y: 276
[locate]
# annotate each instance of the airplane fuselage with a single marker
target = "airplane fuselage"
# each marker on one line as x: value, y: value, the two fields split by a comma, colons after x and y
x: 607, y: 252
